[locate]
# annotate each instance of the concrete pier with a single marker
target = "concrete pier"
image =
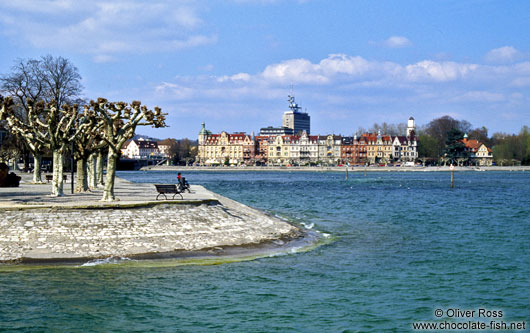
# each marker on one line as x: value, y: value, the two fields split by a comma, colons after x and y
x: 36, y: 227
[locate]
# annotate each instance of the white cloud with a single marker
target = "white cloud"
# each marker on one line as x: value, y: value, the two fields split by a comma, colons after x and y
x: 343, y: 64
x: 235, y: 77
x: 44, y: 6
x: 174, y: 91
x: 429, y: 70
x: 294, y: 71
x: 523, y: 67
x: 328, y: 70
x: 105, y: 29
x: 521, y: 82
x: 341, y: 72
x: 503, y: 55
x: 397, y: 42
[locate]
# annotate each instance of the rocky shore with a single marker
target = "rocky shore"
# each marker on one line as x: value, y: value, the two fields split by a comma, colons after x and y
x: 35, y: 227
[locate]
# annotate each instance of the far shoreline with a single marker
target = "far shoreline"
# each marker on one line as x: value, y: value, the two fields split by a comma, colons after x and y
x: 333, y: 169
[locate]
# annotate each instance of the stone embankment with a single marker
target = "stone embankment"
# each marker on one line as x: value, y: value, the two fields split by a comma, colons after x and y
x: 37, y: 227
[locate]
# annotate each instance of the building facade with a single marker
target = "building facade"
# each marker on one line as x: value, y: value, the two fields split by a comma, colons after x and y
x: 479, y: 153
x: 166, y: 146
x: 329, y: 149
x: 261, y: 147
x: 305, y: 149
x: 225, y: 148
x: 140, y: 149
x: 353, y: 150
x: 379, y: 148
x: 279, y: 150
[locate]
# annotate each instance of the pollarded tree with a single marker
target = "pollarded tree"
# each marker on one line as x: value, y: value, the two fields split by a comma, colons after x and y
x: 119, y: 124
x: 49, y: 126
x: 21, y: 124
x: 14, y: 113
x: 86, y: 146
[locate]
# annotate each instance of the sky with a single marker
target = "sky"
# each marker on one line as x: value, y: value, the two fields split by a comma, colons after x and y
x: 232, y: 63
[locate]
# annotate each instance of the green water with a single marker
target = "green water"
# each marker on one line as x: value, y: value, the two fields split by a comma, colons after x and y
x: 404, y: 244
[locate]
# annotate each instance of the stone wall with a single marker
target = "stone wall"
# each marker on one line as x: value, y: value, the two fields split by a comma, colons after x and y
x: 44, y: 234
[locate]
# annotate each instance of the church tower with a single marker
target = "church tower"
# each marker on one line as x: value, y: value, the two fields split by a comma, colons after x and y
x: 203, y: 134
x: 411, y: 128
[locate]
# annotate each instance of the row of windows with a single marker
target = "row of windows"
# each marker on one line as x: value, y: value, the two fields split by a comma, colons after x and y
x: 227, y: 154
x: 312, y: 147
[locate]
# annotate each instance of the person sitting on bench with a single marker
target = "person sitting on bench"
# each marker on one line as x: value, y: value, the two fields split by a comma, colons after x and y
x: 183, y: 184
x: 8, y: 179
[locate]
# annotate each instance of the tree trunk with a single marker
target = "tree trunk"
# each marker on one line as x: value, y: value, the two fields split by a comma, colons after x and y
x: 82, y: 183
x: 37, y: 158
x: 99, y: 169
x: 108, y: 192
x: 26, y: 160
x: 91, y: 172
x: 57, y: 182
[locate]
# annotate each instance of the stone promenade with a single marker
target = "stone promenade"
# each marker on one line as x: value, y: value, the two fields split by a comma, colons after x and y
x: 37, y: 227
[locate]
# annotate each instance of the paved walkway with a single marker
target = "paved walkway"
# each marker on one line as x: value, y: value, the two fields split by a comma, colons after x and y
x: 127, y: 193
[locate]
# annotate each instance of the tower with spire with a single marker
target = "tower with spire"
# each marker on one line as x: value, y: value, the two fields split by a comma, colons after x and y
x: 203, y: 134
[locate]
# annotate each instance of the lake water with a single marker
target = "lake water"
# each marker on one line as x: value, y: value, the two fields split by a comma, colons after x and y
x: 403, y: 245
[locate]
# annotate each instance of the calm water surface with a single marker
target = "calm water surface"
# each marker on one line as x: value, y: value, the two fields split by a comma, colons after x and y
x: 405, y: 245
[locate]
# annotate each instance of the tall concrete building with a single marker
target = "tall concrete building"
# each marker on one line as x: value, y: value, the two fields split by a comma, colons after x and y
x: 295, y: 119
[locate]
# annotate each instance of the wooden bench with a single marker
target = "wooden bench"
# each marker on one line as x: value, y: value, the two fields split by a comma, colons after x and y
x: 164, y: 189
x: 50, y: 177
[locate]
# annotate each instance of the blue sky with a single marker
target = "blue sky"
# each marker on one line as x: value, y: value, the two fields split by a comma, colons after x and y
x: 231, y: 63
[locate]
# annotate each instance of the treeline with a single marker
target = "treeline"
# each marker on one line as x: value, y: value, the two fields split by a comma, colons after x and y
x: 181, y: 152
x: 384, y: 128
x: 512, y: 149
x: 434, y: 142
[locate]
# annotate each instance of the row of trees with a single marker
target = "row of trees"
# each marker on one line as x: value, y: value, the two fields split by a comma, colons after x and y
x: 386, y: 128
x: 181, y: 152
x: 510, y: 149
x: 43, y: 111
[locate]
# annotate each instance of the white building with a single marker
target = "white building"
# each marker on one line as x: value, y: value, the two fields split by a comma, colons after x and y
x: 405, y: 148
x: 140, y: 148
